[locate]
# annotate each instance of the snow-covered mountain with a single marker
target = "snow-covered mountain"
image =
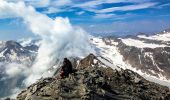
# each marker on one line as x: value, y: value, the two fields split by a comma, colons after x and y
x: 14, y: 57
x: 11, y: 51
x: 147, y: 55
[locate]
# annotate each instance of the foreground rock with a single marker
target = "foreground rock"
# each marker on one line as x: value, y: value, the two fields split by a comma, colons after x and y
x: 96, y: 83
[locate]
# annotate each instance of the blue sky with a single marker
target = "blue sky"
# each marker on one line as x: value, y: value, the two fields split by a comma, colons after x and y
x: 119, y: 17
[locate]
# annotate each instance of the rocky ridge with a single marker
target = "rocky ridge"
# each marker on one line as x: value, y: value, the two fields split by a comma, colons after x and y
x: 93, y: 79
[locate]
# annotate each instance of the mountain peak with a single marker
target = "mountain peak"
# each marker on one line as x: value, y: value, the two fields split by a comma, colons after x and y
x: 13, y: 44
x: 88, y: 61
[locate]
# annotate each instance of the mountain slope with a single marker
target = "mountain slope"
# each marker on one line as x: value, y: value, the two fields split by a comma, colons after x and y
x: 151, y: 54
x: 147, y: 55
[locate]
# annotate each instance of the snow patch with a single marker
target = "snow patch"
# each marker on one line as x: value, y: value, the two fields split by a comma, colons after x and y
x: 159, y: 37
x: 107, y: 63
x: 141, y: 44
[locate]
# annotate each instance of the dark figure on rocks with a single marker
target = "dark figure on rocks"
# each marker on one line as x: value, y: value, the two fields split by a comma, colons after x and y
x: 66, y: 68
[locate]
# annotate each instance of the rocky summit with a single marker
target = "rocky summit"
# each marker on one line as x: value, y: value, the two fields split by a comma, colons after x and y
x: 93, y: 81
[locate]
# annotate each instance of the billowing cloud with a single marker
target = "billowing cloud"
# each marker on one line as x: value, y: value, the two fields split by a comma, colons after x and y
x: 59, y: 39
x: 15, y: 69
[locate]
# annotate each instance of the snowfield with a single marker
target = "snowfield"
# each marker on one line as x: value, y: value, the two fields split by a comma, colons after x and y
x: 141, y: 44
x: 160, y: 37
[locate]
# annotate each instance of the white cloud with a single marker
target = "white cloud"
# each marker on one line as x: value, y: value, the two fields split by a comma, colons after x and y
x: 127, y: 8
x: 53, y: 6
x: 51, y: 10
x: 38, y: 3
x: 94, y: 3
x: 80, y: 13
x: 35, y: 3
x: 59, y: 3
x: 15, y: 92
x: 91, y: 25
x: 104, y: 16
x: 163, y: 5
x: 5, y: 12
x: 14, y: 69
x: 114, y: 16
x: 56, y: 6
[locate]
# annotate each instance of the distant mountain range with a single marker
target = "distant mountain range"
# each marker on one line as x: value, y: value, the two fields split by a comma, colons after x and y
x: 147, y: 55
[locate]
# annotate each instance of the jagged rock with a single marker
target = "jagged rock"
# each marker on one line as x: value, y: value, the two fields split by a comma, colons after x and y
x: 96, y: 83
x: 86, y: 62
